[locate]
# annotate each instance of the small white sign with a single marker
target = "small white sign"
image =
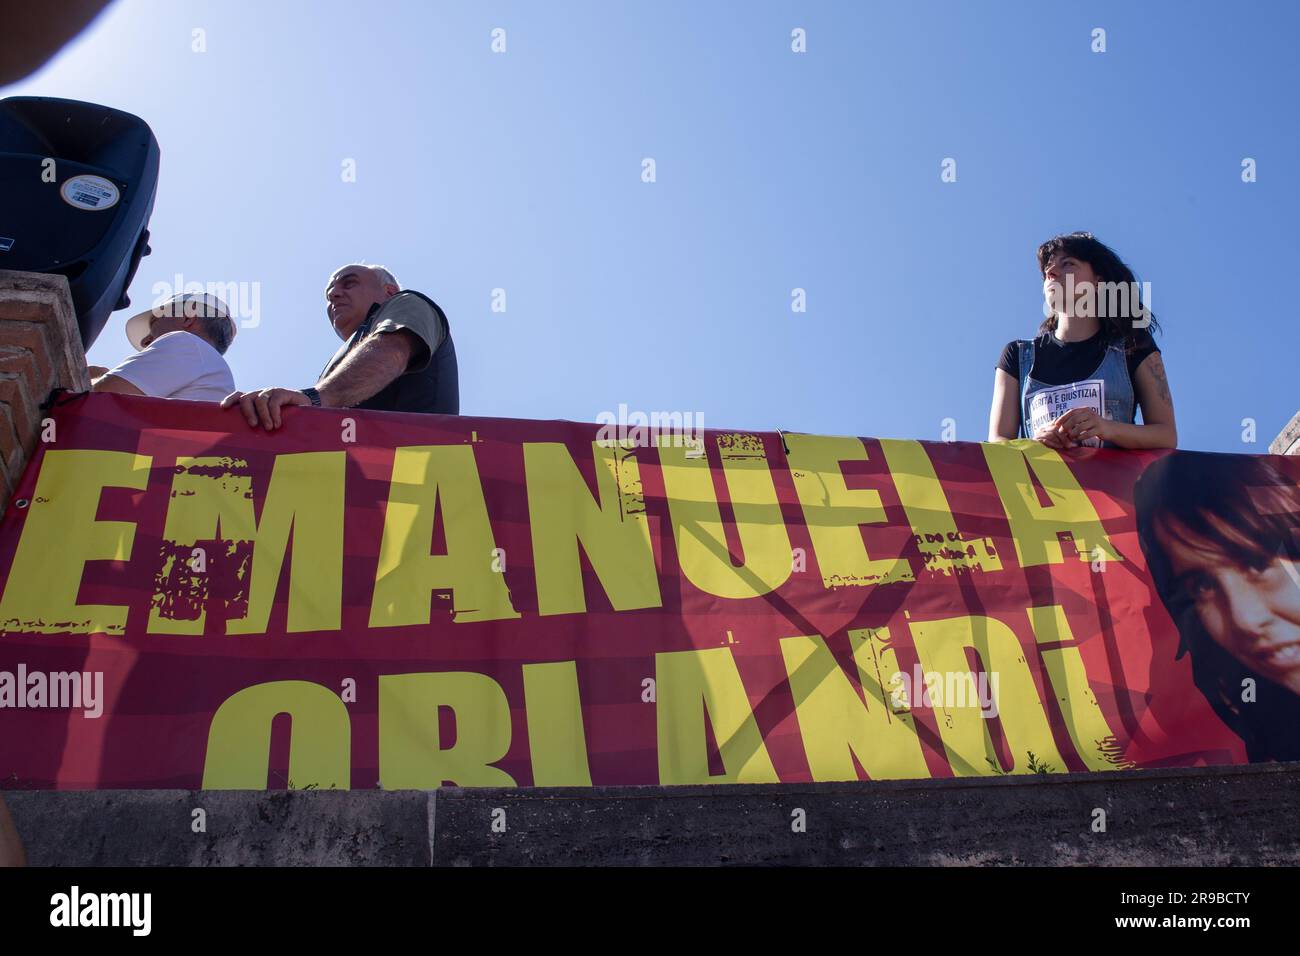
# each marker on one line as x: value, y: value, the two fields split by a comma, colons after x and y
x: 94, y: 193
x: 1049, y: 404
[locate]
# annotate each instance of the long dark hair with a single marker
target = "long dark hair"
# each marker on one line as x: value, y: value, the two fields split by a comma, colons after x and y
x: 1116, y: 328
x: 1250, y: 512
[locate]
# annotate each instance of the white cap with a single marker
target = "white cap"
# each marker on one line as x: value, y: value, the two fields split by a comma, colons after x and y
x: 199, y: 304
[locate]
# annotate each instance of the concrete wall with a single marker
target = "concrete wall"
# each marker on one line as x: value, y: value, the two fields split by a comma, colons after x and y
x: 1194, y: 817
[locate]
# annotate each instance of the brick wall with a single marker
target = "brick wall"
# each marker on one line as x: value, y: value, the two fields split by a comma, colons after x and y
x: 40, y: 350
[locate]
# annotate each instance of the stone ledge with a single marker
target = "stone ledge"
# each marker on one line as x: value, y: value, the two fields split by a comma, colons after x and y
x: 1191, y: 817
x: 244, y: 828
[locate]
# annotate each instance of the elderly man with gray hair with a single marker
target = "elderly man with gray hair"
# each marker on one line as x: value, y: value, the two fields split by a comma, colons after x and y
x: 180, y: 352
x: 397, y: 353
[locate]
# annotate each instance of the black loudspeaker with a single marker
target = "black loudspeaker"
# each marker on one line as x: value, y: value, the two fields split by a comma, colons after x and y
x: 77, y: 185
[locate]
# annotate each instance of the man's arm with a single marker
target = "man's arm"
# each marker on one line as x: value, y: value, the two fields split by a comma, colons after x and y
x: 161, y: 370
x: 112, y: 383
x: 369, y: 368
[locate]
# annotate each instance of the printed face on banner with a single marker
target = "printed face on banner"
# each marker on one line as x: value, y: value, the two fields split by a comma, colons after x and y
x: 1221, y: 535
x: 1251, y: 611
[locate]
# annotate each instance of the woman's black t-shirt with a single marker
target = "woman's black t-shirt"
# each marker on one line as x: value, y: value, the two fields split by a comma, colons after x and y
x: 1062, y: 363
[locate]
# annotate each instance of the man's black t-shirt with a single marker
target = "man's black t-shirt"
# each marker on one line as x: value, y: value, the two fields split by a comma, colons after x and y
x: 1062, y: 363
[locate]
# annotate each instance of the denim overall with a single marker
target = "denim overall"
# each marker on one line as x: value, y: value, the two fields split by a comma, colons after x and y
x: 1119, y: 402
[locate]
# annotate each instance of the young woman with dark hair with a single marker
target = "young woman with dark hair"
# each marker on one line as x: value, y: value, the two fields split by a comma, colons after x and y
x: 1094, y: 362
x: 1221, y: 535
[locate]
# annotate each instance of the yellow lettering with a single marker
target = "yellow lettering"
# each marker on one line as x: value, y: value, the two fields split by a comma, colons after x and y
x: 239, y: 740
x: 929, y: 514
x: 60, y: 535
x: 1035, y: 526
x: 834, y: 722
x: 1091, y: 735
x: 683, y: 680
x: 697, y: 521
x: 212, y: 500
x: 613, y: 533
x: 411, y: 754
x: 428, y: 479
x: 556, y: 740
x: 941, y: 647
x: 834, y: 513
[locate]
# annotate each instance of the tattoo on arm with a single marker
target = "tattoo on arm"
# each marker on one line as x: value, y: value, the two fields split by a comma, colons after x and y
x: 1160, y: 381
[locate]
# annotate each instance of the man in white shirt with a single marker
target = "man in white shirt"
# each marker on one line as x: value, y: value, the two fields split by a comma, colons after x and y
x: 179, y: 352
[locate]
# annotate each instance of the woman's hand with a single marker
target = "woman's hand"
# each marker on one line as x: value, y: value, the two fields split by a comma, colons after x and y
x: 1080, y: 424
x: 1053, y: 437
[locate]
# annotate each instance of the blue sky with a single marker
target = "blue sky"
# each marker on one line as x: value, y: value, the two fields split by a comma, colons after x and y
x: 522, y: 171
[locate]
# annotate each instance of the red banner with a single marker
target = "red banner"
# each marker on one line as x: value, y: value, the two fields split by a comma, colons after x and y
x: 365, y: 599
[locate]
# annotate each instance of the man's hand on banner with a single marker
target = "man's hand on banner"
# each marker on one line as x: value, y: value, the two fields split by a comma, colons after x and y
x: 262, y: 407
